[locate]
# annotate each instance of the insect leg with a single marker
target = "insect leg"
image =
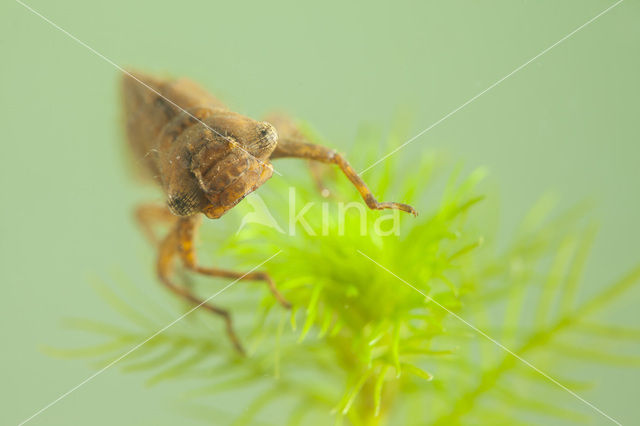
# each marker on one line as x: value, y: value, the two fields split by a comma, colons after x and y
x: 292, y: 144
x: 169, y: 249
x: 148, y: 214
x: 317, y: 174
x: 186, y: 233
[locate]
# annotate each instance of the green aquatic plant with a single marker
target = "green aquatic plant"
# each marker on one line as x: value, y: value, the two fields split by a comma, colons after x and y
x: 390, y: 325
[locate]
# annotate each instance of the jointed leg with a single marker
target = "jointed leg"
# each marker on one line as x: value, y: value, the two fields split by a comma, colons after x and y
x: 291, y: 143
x: 148, y: 214
x: 317, y: 176
x: 186, y: 229
x: 169, y: 248
x: 179, y: 242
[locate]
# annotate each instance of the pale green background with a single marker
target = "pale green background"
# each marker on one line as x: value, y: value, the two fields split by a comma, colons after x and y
x: 568, y: 122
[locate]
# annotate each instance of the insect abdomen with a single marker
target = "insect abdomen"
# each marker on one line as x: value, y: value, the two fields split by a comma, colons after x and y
x: 150, y: 103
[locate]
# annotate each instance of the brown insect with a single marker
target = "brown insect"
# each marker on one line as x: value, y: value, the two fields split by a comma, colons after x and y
x: 207, y: 159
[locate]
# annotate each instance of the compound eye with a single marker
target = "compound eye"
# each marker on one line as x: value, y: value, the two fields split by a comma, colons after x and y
x: 266, y: 140
x: 183, y: 203
x: 267, y: 132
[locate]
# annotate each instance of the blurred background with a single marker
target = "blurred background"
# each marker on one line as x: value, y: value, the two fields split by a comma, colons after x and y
x: 566, y: 123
